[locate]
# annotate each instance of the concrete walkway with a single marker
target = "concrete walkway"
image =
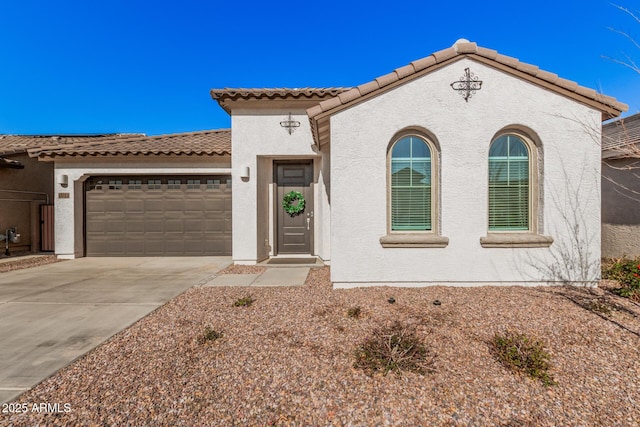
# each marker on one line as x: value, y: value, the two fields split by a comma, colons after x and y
x: 53, y: 314
x: 272, y: 276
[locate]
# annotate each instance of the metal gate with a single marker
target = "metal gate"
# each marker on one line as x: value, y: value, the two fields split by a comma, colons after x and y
x: 47, y: 240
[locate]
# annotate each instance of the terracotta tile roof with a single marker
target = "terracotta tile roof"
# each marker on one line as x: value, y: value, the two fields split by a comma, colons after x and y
x: 621, y: 138
x: 210, y: 142
x: 223, y: 96
x: 319, y: 114
x: 11, y: 164
x: 17, y: 144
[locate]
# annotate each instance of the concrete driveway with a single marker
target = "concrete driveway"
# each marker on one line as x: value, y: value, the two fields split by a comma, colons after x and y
x: 53, y: 314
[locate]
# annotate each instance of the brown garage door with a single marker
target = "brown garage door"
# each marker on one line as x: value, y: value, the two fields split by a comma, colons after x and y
x: 158, y: 215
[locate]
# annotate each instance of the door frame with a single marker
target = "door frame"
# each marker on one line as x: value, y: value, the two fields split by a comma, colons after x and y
x: 276, y: 205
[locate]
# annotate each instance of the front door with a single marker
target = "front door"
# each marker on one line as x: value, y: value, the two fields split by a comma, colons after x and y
x: 294, y: 230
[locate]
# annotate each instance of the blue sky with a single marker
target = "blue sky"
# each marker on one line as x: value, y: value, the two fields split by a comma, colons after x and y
x: 70, y: 66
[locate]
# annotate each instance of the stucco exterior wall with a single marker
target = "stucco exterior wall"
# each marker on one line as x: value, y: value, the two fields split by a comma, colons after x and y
x: 21, y: 210
x: 257, y: 140
x: 69, y: 211
x: 620, y: 208
x: 569, y: 183
x: 323, y: 206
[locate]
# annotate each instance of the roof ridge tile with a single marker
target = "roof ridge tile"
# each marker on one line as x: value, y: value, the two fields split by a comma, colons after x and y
x: 487, y: 53
x: 547, y: 76
x: 405, y: 71
x: 507, y: 60
x: 349, y: 95
x: 387, y: 79
x: 424, y: 63
x: 585, y: 91
x: 566, y: 84
x: 331, y: 103
x: 528, y: 68
x: 607, y: 99
x: 368, y: 87
x: 466, y: 47
x: 444, y: 54
x: 316, y: 109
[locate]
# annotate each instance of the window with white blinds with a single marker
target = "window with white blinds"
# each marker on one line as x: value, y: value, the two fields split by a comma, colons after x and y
x: 509, y: 184
x: 411, y: 184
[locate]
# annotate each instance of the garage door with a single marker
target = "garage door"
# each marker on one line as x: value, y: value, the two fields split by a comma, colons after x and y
x: 158, y: 216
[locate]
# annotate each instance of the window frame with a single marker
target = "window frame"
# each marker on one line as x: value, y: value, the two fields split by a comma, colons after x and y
x: 532, y: 183
x: 390, y: 184
x: 415, y: 238
x: 529, y: 238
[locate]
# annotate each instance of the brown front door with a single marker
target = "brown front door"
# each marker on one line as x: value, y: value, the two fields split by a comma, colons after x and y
x: 294, y: 232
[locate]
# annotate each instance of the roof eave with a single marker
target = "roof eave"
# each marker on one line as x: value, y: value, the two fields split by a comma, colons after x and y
x: 13, y: 151
x: 216, y: 96
x: 53, y: 155
x: 231, y: 98
x: 96, y: 148
x: 609, y: 107
x: 10, y: 164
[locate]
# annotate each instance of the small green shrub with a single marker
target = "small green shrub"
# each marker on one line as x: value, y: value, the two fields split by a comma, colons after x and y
x: 209, y: 334
x: 626, y: 271
x: 395, y: 348
x: 522, y: 353
x: 354, y: 312
x: 244, y: 302
x: 599, y: 306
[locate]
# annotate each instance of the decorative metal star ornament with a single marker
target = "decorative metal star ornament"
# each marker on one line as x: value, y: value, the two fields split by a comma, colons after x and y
x: 467, y: 85
x: 290, y: 124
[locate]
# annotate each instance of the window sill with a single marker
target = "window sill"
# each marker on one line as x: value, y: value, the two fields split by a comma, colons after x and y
x: 413, y: 241
x: 515, y: 240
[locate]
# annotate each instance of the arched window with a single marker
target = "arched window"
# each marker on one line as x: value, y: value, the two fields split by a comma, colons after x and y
x: 411, y: 184
x: 509, y: 184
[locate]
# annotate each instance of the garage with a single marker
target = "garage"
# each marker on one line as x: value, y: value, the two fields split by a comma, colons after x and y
x: 161, y: 215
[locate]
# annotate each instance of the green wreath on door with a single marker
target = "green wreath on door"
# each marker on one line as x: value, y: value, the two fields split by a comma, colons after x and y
x: 289, y: 203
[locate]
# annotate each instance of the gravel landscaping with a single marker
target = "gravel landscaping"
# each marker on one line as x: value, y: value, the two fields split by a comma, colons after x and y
x: 288, y: 360
x: 20, y: 261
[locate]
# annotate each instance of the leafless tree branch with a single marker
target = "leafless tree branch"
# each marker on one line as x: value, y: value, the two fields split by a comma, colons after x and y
x: 627, y: 11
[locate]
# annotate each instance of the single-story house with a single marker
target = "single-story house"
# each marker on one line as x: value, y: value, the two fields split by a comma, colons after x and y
x: 467, y: 167
x: 621, y: 187
x: 26, y: 189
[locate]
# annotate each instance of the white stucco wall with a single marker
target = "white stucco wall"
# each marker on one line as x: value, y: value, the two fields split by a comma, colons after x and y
x: 360, y: 137
x: 257, y: 134
x: 69, y: 211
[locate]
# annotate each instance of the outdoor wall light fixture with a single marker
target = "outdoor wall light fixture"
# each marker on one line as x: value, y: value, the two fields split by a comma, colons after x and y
x: 63, y: 180
x: 246, y: 172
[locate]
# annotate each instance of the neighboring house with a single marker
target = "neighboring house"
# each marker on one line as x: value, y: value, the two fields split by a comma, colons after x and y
x: 26, y: 189
x: 621, y: 187
x: 466, y: 167
x: 143, y: 196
